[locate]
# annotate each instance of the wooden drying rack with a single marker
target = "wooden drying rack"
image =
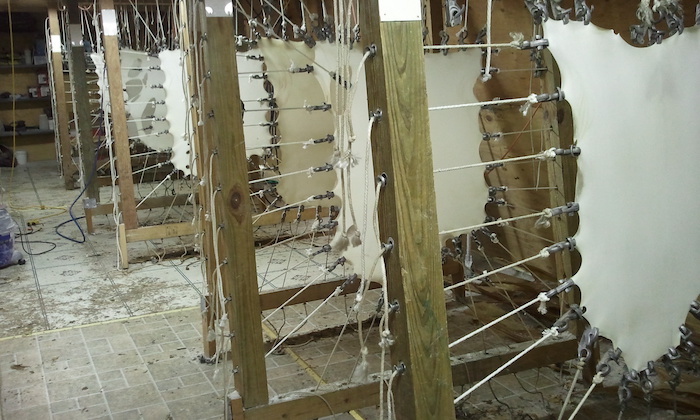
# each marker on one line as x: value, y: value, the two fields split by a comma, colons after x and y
x: 401, y: 149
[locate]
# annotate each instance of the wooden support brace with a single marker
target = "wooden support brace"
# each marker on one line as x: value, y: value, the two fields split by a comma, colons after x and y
x: 407, y: 212
x: 190, y: 35
x: 239, y: 273
x: 121, y: 242
x: 170, y: 230
x: 118, y: 114
x: 341, y: 397
x: 82, y: 101
x: 61, y: 116
x: 275, y: 299
x: 149, y: 203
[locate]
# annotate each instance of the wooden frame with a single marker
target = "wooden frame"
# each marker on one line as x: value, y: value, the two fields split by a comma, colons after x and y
x: 61, y: 114
x: 394, y: 90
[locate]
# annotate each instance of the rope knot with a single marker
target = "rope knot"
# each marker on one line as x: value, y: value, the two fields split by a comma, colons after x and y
x: 543, y: 298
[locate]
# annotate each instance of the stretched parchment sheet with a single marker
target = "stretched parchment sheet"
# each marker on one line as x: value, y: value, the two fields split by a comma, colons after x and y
x: 143, y: 89
x: 297, y: 90
x: 455, y: 135
x: 176, y: 113
x: 252, y: 87
x: 635, y: 120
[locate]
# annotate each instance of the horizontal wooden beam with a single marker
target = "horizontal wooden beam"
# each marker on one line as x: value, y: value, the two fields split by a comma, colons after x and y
x: 276, y: 217
x: 149, y: 203
x: 275, y: 299
x: 469, y: 368
x: 171, y: 230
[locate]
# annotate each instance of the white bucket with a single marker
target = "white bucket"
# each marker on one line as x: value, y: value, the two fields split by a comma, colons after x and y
x: 21, y: 156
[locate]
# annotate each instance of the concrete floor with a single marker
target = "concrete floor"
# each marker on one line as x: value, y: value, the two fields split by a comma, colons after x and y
x: 80, y: 339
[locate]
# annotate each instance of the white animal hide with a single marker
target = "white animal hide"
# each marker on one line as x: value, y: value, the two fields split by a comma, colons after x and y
x: 295, y: 90
x: 252, y: 90
x: 177, y: 115
x: 455, y: 138
x: 148, y: 80
x: 634, y: 118
x: 455, y: 135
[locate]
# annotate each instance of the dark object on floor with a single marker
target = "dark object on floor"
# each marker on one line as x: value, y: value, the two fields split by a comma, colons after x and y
x: 7, y: 157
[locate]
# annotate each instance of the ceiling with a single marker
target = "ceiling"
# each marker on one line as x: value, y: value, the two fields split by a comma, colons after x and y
x: 27, y: 5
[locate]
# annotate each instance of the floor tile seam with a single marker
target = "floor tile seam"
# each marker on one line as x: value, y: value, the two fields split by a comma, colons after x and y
x: 43, y: 374
x: 97, y: 376
x: 190, y: 395
x: 137, y: 409
x: 110, y: 321
x: 120, y: 295
x: 189, y: 282
x: 153, y: 381
x: 37, y: 284
x: 64, y: 411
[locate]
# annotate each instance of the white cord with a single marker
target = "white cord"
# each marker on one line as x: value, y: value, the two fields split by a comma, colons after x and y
x: 494, y: 223
x: 545, y: 335
x: 487, y: 71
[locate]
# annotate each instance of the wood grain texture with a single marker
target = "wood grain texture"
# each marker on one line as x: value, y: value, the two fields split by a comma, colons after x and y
x: 342, y: 397
x: 119, y: 128
x: 234, y: 210
x: 201, y: 148
x: 61, y: 115
x: 170, y: 230
x: 274, y: 299
x: 81, y: 97
x: 407, y: 213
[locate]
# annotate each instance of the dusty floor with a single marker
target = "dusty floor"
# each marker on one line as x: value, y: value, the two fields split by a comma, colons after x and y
x: 80, y: 339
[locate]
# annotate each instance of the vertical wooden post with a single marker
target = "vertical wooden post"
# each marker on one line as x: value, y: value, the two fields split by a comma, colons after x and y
x: 555, y: 169
x: 82, y: 102
x: 233, y: 208
x: 401, y: 149
x: 188, y: 40
x: 120, y: 134
x: 61, y: 115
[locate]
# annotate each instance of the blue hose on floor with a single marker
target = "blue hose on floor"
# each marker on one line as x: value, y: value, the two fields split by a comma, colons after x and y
x: 70, y: 209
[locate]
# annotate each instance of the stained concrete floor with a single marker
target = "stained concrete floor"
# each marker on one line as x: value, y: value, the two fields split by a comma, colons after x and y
x: 80, y: 339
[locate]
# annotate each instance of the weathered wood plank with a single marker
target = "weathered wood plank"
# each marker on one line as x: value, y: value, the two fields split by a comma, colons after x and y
x: 170, y: 230
x: 118, y: 114
x: 274, y: 299
x: 466, y: 369
x: 191, y: 33
x: 61, y: 116
x: 402, y: 149
x: 81, y: 98
x: 234, y: 211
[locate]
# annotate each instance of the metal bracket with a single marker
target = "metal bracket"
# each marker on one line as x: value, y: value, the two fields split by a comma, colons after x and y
x: 350, y: 280
x: 383, y: 178
x: 569, y: 244
x: 565, y: 209
x: 325, y: 168
x: 308, y: 69
x: 538, y: 43
x: 328, y: 194
x: 400, y: 369
x: 538, y: 10
x: 488, y: 136
x: 571, y: 151
x: 388, y: 246
x: 339, y: 261
x: 564, y: 286
x: 547, y: 97
x: 588, y: 339
x: 324, y: 107
x: 695, y: 309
